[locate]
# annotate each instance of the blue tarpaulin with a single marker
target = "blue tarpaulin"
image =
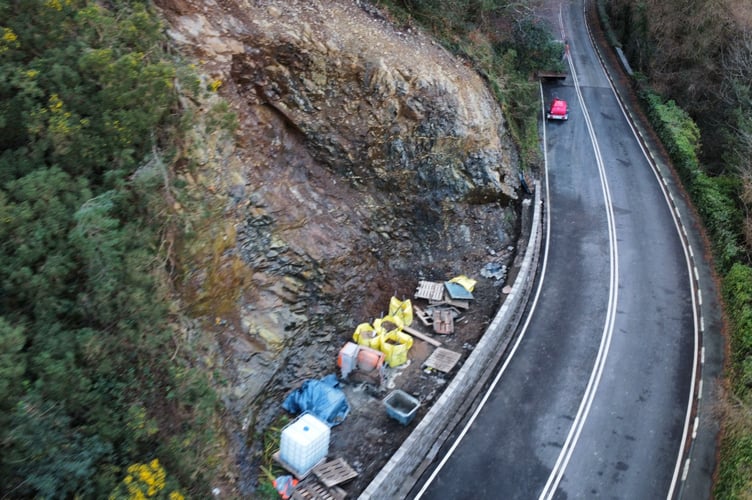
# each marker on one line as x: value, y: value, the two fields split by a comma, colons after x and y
x: 322, y: 398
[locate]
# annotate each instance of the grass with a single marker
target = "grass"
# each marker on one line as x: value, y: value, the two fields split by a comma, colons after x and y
x: 270, y: 469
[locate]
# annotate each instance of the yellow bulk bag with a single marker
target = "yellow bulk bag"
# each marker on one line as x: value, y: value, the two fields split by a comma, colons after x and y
x: 462, y: 280
x: 395, y: 345
x: 388, y: 324
x: 402, y: 309
x: 366, y: 335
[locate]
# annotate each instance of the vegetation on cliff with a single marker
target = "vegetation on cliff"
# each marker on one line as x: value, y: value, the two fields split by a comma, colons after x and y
x: 95, y: 398
x: 506, y: 41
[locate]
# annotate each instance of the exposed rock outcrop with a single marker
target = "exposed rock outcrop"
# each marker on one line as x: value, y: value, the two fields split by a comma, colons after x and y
x: 376, y: 106
x: 366, y: 157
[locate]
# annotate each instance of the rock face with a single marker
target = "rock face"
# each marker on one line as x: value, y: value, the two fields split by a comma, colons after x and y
x: 366, y: 158
x: 378, y: 107
x: 376, y: 114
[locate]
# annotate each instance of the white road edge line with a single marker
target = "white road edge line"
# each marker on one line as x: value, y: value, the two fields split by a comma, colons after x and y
x: 523, y: 331
x: 685, y: 472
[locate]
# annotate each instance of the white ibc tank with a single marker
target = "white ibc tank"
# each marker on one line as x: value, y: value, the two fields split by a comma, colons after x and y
x: 304, y: 442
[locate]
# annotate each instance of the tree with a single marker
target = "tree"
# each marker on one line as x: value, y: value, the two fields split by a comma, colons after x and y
x: 12, y: 366
x: 46, y: 454
x: 86, y: 96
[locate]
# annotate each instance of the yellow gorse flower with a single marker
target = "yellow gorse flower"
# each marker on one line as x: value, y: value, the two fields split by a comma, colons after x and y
x: 57, y: 4
x: 56, y: 104
x: 145, y: 481
x: 9, y: 36
x: 8, y: 39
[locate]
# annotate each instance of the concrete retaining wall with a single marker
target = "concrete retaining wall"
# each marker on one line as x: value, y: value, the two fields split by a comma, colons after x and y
x: 399, y: 475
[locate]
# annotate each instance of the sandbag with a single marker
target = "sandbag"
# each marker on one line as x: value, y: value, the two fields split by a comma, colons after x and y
x: 366, y: 335
x: 387, y: 324
x: 402, y: 309
x: 395, y: 345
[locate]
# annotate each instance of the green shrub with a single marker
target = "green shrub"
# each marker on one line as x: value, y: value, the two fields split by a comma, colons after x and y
x: 715, y: 200
x: 86, y: 97
x: 608, y: 26
x: 737, y: 294
x: 735, y: 468
x: 735, y: 465
x: 677, y: 131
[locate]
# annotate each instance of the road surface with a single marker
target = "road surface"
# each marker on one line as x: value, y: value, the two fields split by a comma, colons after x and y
x: 594, y: 399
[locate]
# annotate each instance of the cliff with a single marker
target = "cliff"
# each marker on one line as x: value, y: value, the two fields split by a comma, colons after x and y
x: 366, y: 157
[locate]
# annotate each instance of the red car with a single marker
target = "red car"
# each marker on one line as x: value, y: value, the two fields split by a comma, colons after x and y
x: 558, y: 110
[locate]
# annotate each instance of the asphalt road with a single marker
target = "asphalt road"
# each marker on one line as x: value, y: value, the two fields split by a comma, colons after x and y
x: 593, y: 401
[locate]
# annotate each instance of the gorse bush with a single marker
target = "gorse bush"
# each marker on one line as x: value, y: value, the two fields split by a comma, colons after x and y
x: 87, y: 384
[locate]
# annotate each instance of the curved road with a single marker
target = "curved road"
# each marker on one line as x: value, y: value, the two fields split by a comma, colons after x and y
x: 593, y: 401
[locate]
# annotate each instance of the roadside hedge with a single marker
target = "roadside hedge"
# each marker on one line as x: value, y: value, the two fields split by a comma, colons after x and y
x: 737, y: 295
x: 735, y: 470
x: 735, y: 464
x: 678, y: 133
x: 715, y: 197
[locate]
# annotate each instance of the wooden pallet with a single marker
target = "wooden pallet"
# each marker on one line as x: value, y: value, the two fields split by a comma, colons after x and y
x: 456, y: 313
x: 430, y: 290
x: 334, y: 472
x: 300, y: 475
x: 442, y: 359
x: 313, y: 490
x: 423, y: 316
